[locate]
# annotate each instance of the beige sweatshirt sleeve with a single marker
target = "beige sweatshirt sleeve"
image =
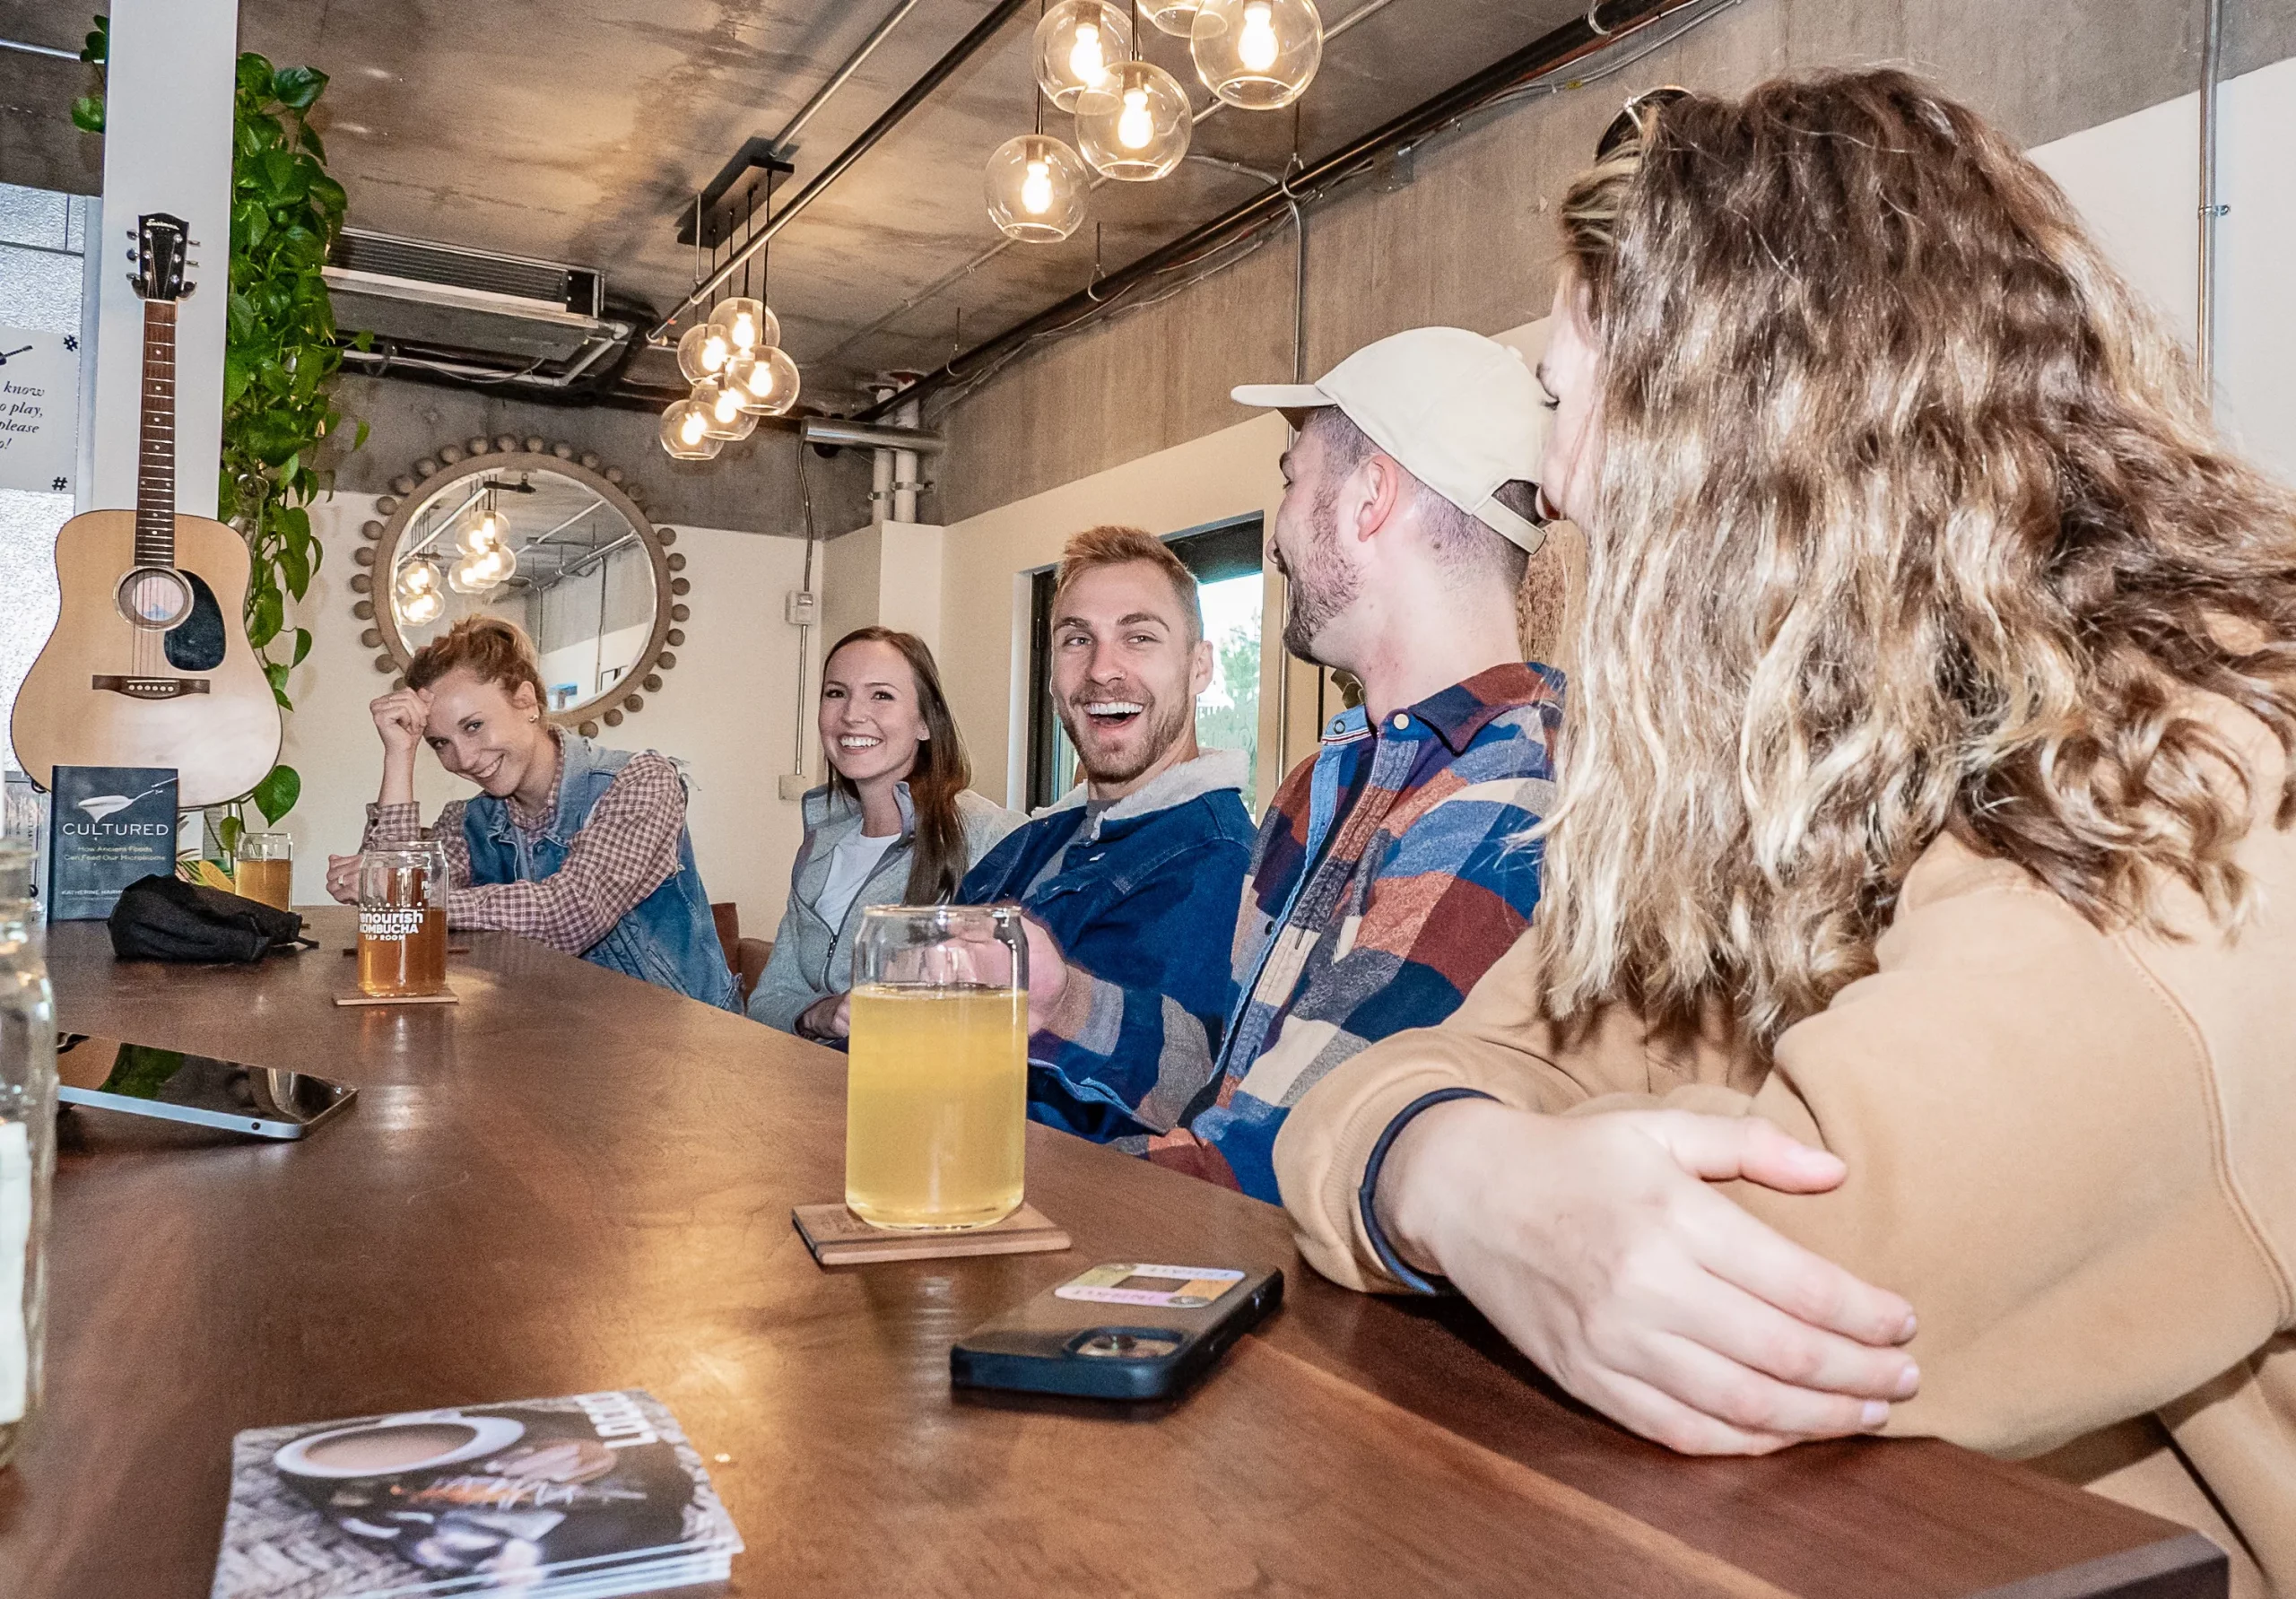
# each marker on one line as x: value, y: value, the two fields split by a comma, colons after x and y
x: 2034, y: 1141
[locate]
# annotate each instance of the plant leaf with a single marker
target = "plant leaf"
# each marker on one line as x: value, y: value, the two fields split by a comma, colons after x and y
x: 302, y: 645
x: 298, y: 86
x: 88, y: 113
x: 276, y: 794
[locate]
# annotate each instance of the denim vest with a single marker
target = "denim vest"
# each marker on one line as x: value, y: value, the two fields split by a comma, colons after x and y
x: 669, y: 938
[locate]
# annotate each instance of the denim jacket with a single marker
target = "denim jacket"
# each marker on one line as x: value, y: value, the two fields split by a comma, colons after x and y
x: 1143, y: 908
x: 669, y: 939
x: 812, y: 959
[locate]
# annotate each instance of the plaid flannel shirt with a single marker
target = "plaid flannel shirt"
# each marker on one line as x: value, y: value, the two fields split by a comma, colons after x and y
x: 1385, y: 881
x: 628, y: 849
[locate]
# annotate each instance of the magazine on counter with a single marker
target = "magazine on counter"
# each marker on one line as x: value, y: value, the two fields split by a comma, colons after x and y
x: 580, y: 1498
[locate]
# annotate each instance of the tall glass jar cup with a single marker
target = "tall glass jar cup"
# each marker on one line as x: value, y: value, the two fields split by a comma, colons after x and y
x: 27, y: 1145
x: 936, y: 1093
x: 403, y: 921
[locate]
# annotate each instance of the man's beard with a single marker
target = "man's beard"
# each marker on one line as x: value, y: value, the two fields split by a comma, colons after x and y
x: 1165, y: 727
x: 1324, y: 586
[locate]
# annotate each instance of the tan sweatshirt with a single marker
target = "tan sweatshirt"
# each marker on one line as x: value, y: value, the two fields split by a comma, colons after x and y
x: 2075, y: 1152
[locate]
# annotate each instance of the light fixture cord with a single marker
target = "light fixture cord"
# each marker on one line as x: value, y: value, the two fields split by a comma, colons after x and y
x: 1036, y: 89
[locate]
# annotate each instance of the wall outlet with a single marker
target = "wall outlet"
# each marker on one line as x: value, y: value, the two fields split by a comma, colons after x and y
x: 803, y: 608
x: 794, y: 785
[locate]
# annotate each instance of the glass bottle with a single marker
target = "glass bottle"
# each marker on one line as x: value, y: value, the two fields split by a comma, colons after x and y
x: 27, y: 1144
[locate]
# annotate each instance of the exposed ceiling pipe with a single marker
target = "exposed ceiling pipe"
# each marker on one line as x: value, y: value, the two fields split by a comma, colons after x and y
x: 1606, y: 24
x: 2205, y: 321
x: 30, y: 50
x: 830, y: 431
x: 837, y: 80
x: 914, y: 96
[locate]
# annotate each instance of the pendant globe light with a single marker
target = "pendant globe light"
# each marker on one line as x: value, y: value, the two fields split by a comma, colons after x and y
x: 722, y: 416
x: 1140, y: 132
x: 749, y: 325
x: 703, y: 351
x: 1079, y: 44
x: 685, y: 433
x: 1172, y: 17
x: 1256, y: 54
x: 1035, y: 186
x: 766, y: 382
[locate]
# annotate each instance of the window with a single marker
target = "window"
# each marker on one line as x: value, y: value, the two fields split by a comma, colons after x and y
x: 1225, y: 558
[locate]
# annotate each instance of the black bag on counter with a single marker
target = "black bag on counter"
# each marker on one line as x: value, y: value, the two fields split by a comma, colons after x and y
x: 163, y: 917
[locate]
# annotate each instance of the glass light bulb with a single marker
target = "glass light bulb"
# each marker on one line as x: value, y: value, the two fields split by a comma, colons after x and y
x: 1036, y: 188
x: 421, y: 578
x: 1086, y: 59
x: 1257, y: 47
x: 424, y: 607
x: 1134, y: 127
x: 685, y: 432
x: 764, y: 384
x: 716, y: 351
x: 727, y: 405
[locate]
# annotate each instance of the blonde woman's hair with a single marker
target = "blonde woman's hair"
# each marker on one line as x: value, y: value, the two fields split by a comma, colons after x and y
x: 1909, y: 520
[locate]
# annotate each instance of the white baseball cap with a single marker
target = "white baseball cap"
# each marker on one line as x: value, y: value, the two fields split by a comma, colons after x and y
x: 1459, y: 410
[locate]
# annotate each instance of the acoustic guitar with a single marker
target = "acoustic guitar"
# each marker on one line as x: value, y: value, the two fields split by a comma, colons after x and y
x: 149, y: 664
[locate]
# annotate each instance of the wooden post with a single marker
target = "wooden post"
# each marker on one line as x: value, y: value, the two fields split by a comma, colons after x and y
x: 166, y: 147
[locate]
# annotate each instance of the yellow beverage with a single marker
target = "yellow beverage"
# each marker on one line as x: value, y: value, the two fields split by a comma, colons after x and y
x: 936, y: 1103
x: 270, y: 881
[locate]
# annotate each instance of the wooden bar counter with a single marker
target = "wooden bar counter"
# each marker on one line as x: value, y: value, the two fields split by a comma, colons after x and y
x: 573, y: 1181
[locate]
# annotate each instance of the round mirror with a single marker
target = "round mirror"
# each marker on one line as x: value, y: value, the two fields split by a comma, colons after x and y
x: 540, y: 539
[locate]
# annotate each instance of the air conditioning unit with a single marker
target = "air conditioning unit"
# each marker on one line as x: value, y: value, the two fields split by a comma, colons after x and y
x: 439, y: 297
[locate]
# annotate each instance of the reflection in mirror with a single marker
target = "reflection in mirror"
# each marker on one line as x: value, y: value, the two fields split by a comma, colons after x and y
x: 538, y: 548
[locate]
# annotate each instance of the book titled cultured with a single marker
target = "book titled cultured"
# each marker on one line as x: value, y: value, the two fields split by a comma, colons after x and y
x: 108, y: 826
x: 580, y: 1498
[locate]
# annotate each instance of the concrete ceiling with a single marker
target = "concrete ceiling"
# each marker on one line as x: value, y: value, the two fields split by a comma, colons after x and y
x: 577, y: 130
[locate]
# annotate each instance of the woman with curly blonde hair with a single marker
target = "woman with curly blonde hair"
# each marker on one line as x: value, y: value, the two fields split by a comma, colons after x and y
x: 1928, y: 795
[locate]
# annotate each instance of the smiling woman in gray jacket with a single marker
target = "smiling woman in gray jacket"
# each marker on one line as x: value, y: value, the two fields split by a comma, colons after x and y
x: 894, y: 825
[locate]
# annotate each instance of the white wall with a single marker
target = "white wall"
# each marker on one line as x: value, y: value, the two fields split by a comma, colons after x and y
x: 2136, y: 180
x: 726, y: 710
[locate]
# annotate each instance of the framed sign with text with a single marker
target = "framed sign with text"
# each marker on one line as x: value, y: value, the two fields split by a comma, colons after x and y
x: 39, y: 409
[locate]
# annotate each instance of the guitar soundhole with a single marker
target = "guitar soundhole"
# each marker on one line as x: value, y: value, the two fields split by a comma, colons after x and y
x: 196, y: 643
x: 154, y: 596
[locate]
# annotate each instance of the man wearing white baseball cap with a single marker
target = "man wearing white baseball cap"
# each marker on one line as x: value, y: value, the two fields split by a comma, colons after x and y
x: 1384, y: 881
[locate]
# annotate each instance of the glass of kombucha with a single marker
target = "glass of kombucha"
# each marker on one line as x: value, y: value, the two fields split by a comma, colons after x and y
x: 937, y: 1091
x: 403, y: 921
x: 264, y: 869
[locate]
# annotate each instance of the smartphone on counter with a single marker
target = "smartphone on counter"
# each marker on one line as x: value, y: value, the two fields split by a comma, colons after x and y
x: 1119, y: 1331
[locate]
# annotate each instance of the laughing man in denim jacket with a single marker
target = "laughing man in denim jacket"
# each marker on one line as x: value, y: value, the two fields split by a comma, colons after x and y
x: 1132, y: 882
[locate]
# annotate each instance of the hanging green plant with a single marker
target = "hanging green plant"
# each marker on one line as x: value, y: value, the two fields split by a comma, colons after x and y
x: 281, y: 357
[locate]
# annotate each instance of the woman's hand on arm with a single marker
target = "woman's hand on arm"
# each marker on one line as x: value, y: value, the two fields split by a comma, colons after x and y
x: 400, y: 717
x: 1596, y: 1244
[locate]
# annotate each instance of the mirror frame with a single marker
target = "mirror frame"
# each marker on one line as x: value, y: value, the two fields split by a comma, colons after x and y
x: 380, y: 541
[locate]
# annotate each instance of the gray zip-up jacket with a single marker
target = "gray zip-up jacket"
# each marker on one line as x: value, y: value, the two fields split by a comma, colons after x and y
x: 812, y: 959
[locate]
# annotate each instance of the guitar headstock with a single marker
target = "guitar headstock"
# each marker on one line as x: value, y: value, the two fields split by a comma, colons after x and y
x: 159, y: 258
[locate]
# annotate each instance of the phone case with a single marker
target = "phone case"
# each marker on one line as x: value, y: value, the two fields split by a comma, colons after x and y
x: 1119, y: 1331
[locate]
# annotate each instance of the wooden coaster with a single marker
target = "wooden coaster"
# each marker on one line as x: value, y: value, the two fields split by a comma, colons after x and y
x: 354, y: 998
x: 839, y: 1238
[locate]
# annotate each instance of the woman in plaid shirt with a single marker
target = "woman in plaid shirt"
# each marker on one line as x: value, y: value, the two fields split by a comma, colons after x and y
x: 582, y: 848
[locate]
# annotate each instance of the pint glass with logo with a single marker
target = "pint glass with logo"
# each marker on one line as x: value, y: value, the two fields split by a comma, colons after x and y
x: 936, y: 1092
x: 403, y: 921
